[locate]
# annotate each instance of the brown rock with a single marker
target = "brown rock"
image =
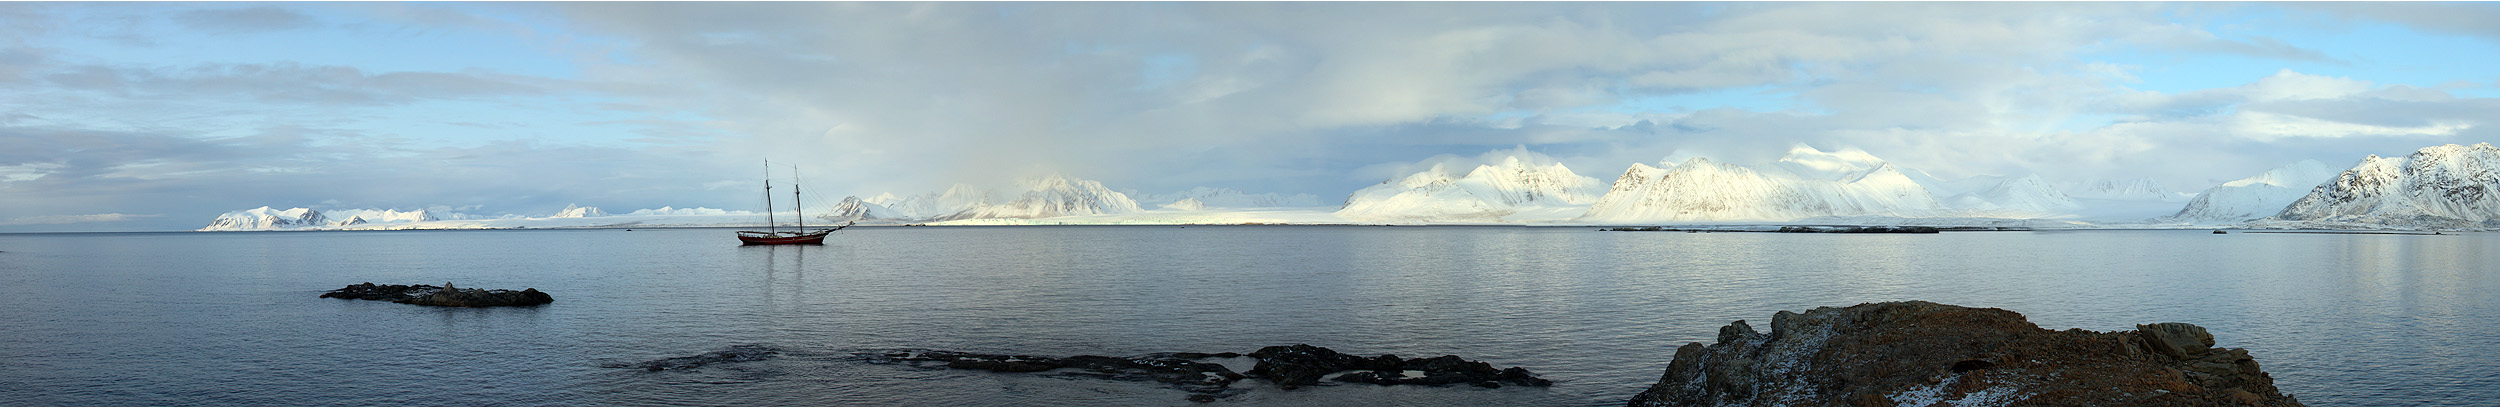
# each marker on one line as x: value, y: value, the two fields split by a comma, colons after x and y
x: 1921, y: 353
x: 2177, y: 340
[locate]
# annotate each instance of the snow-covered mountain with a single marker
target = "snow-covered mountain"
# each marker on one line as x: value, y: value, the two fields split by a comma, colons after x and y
x: 669, y: 210
x: 955, y: 199
x: 2449, y: 186
x: 1518, y: 180
x: 1807, y: 183
x: 265, y: 218
x: 575, y: 211
x: 2141, y: 189
x: 1186, y: 204
x: 2259, y: 196
x: 387, y: 215
x: 853, y: 209
x: 1052, y: 196
x: 1211, y: 197
x: 2026, y: 196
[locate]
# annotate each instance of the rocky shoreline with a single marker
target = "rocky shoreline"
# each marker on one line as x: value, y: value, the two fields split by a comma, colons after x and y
x: 1924, y: 354
x: 1289, y: 367
x: 446, y: 295
x: 1909, y: 353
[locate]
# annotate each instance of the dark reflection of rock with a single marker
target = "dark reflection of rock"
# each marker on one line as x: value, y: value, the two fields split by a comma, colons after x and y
x: 1288, y: 366
x: 446, y: 295
x: 737, y: 353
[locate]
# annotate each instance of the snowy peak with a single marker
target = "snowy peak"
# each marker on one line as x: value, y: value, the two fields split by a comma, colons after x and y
x: 1518, y: 182
x: 2258, y: 196
x: 1186, y: 204
x: 1501, y: 184
x: 2139, y: 189
x: 379, y: 216
x: 2436, y: 187
x: 1055, y: 196
x: 1808, y: 183
x: 265, y: 218
x: 1430, y: 195
x: 853, y: 208
x: 575, y: 211
x: 955, y: 199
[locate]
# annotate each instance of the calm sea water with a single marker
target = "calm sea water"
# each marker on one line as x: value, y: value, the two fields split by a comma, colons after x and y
x: 234, y: 318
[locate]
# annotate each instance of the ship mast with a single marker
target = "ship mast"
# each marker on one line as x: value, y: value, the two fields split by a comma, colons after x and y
x: 795, y: 202
x: 768, y: 197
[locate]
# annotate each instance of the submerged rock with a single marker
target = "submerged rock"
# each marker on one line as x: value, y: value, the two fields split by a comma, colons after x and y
x: 1206, y: 381
x: 1289, y: 367
x: 1924, y: 354
x: 1303, y: 364
x: 737, y: 353
x: 446, y: 295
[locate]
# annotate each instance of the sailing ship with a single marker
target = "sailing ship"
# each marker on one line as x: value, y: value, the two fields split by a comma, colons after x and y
x: 772, y: 233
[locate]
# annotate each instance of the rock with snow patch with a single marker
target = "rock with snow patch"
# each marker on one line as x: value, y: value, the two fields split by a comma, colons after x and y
x: 1925, y: 354
x: 2450, y: 186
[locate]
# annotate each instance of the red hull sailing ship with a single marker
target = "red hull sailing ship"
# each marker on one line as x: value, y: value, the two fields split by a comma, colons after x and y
x: 772, y: 234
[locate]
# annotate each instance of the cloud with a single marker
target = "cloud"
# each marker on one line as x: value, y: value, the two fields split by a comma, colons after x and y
x: 287, y: 82
x: 244, y: 20
x: 75, y: 219
x: 2458, y: 18
x: 667, y: 104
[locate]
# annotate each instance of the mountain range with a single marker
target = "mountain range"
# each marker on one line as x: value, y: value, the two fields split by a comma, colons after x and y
x: 2447, y: 186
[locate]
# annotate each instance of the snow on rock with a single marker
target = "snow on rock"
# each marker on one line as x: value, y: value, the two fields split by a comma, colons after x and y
x: 2141, y: 189
x: 854, y: 208
x: 1229, y: 198
x: 1918, y: 353
x: 955, y: 199
x: 385, y: 215
x: 666, y: 210
x: 575, y: 211
x: 2449, y: 186
x: 1516, y: 180
x: 2254, y: 197
x: 1806, y: 183
x: 1186, y: 204
x: 265, y: 218
x: 2020, y: 197
x: 1053, y: 196
x: 1431, y: 195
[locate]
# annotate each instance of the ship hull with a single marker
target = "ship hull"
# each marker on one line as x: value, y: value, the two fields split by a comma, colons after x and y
x: 763, y: 238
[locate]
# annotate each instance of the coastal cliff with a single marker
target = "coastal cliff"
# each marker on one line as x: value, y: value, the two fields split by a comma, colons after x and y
x: 1926, y: 354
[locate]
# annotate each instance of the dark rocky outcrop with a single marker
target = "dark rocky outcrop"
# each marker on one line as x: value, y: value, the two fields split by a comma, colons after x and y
x: 737, y: 353
x: 1303, y: 364
x: 1288, y: 366
x: 446, y: 295
x: 1206, y: 381
x: 1921, y: 353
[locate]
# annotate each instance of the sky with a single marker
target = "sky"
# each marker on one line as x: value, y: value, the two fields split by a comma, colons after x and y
x: 160, y: 116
